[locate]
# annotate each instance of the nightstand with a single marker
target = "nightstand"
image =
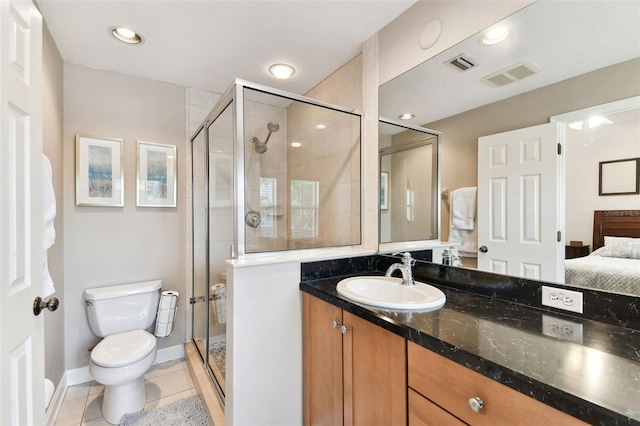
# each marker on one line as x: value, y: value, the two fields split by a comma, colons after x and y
x: 571, y: 252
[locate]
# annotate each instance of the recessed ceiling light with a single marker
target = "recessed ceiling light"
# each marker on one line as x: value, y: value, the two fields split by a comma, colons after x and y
x: 282, y: 71
x: 495, y: 35
x: 321, y: 127
x: 296, y: 144
x: 126, y: 35
x: 407, y: 116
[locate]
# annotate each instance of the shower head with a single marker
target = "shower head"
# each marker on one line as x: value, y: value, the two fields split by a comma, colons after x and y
x: 261, y: 147
x: 271, y: 127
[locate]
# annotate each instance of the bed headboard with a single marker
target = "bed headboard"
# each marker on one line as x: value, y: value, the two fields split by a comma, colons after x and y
x: 614, y: 223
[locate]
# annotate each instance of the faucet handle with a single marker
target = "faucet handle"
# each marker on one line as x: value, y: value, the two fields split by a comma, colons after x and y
x: 405, y: 254
x: 406, y: 257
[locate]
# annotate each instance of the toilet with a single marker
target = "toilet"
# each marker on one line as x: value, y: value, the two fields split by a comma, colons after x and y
x: 121, y: 314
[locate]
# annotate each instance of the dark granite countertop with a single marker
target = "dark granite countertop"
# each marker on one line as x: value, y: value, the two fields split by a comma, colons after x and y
x: 585, y: 368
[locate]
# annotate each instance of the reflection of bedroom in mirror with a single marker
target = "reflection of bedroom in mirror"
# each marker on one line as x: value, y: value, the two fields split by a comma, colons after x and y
x: 579, y: 75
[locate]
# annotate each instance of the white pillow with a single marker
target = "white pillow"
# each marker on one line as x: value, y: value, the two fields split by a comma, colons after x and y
x: 621, y: 247
x: 614, y: 240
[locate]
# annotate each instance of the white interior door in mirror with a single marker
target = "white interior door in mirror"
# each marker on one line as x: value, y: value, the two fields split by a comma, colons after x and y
x: 519, y: 211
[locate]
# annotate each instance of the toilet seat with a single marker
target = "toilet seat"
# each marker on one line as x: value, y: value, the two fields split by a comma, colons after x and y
x: 122, y: 349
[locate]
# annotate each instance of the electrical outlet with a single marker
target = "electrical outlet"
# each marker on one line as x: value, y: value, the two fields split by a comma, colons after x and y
x: 560, y: 298
x: 562, y: 329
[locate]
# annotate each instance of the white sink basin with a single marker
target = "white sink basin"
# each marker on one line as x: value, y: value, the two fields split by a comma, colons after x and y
x: 389, y: 292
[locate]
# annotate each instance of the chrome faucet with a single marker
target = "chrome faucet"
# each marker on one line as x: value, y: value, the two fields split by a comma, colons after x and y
x: 405, y: 268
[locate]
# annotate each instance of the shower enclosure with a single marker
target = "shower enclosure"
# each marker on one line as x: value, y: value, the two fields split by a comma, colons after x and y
x: 271, y: 171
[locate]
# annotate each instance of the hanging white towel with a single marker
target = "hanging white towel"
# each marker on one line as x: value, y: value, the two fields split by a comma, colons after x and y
x: 463, y: 207
x: 48, y: 230
x: 467, y: 237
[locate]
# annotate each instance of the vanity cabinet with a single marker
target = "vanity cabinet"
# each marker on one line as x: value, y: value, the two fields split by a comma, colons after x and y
x: 441, y: 389
x: 354, y: 371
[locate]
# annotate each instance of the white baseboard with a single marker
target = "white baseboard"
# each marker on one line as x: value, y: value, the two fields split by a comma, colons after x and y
x: 77, y: 376
x: 51, y: 413
x: 169, y: 354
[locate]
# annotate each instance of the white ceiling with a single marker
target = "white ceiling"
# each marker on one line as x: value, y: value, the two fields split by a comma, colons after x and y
x: 206, y: 44
x: 562, y: 38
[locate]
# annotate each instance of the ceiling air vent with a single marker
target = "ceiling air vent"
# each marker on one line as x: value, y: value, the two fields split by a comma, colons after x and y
x: 511, y: 74
x: 461, y: 62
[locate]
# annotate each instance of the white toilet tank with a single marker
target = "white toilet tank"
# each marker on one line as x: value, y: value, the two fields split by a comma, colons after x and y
x: 124, y: 307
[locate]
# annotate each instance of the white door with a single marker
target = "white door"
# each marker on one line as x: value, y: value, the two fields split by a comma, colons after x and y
x: 520, y: 204
x: 21, y: 254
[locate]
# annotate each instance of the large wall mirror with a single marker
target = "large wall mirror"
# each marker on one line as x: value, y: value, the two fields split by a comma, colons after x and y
x: 559, y: 58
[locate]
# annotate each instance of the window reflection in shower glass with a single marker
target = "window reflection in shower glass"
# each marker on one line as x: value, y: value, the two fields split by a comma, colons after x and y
x: 316, y: 201
x: 268, y: 207
x: 304, y: 208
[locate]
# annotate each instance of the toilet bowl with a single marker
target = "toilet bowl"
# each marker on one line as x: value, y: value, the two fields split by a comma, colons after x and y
x: 119, y: 362
x: 121, y: 314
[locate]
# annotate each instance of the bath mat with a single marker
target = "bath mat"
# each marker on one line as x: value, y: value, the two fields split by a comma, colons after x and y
x: 188, y: 411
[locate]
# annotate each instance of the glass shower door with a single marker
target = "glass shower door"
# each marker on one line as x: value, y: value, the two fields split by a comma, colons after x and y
x: 221, y: 237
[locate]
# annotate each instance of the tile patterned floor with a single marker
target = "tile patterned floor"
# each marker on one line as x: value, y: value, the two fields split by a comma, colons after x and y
x: 166, y: 383
x: 218, y: 351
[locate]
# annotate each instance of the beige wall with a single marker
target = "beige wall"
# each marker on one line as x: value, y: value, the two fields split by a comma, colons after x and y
x: 459, y: 140
x: 114, y: 245
x: 52, y: 99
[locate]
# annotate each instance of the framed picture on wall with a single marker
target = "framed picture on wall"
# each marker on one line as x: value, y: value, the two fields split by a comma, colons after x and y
x: 384, y: 190
x: 620, y: 177
x: 156, y: 175
x: 99, y: 171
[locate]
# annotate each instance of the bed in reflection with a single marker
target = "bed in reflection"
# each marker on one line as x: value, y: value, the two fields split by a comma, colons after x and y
x: 614, y: 264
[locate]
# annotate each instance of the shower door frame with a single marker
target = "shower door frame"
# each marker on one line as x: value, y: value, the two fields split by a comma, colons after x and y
x: 218, y: 109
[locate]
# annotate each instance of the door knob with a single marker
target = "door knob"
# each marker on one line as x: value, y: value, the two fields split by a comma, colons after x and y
x: 335, y: 324
x: 483, y: 249
x: 39, y: 305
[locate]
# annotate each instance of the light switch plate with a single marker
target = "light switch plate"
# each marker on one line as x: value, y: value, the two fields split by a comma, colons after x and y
x: 561, y: 298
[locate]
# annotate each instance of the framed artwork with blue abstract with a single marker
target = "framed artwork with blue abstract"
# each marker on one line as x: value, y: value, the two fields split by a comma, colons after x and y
x: 99, y: 171
x: 156, y: 175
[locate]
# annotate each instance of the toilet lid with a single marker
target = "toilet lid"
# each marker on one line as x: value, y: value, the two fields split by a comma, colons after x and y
x: 121, y: 349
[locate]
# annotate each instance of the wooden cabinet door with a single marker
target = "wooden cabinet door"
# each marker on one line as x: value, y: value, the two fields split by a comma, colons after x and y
x: 322, y: 352
x: 375, y: 385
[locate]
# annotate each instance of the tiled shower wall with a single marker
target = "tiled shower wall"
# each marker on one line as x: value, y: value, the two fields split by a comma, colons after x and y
x: 271, y: 234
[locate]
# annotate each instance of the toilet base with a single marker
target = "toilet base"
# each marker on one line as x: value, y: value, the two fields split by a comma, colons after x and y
x: 121, y: 399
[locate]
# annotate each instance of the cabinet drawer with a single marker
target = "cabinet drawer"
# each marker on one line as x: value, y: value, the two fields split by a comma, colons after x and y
x: 450, y: 385
x: 423, y: 412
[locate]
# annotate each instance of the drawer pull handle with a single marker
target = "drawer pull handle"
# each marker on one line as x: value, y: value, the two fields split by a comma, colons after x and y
x: 335, y: 324
x: 345, y: 329
x: 476, y: 404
